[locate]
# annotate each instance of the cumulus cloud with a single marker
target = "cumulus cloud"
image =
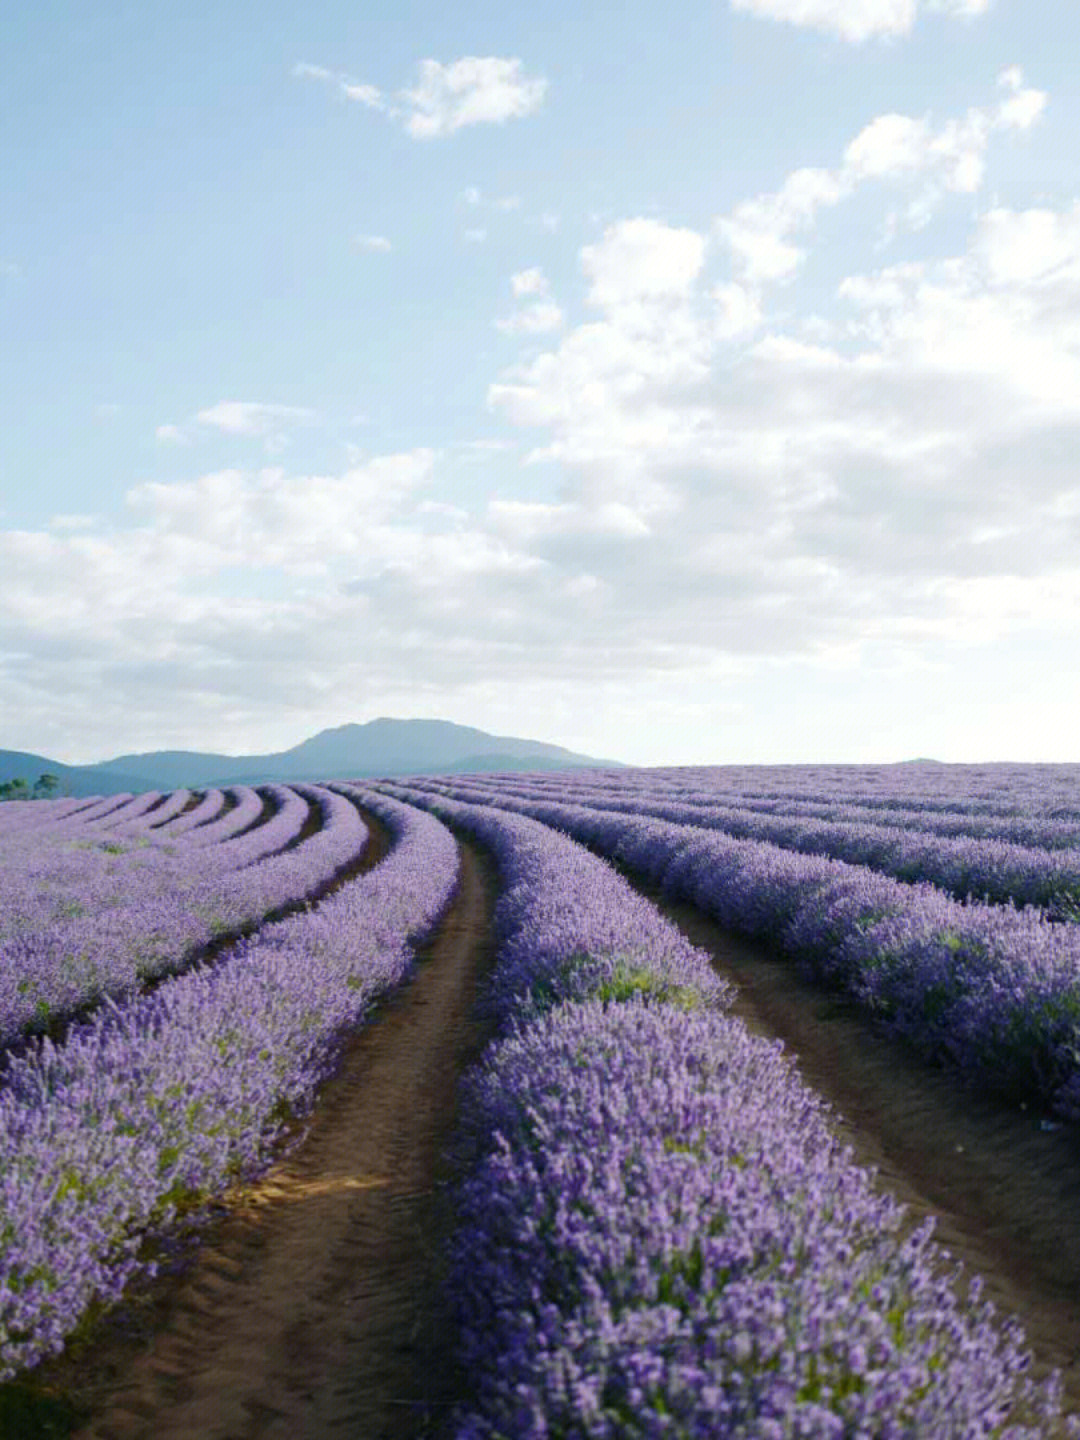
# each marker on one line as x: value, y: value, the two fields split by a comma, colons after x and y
x: 474, y: 90
x: 642, y: 260
x: 541, y: 316
x: 857, y: 20
x: 284, y: 520
x: 762, y: 234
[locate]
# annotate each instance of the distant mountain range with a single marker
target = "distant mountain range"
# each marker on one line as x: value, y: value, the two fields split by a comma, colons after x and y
x: 381, y: 747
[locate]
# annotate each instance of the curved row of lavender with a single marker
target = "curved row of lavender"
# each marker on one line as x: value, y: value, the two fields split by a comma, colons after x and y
x: 168, y: 808
x: 658, y: 1233
x: 852, y: 808
x: 156, y: 1104
x: 242, y: 816
x: 987, y: 990
x: 82, y: 924
x: 208, y: 808
x: 52, y: 872
x: 41, y: 812
x: 971, y: 869
x: 135, y: 808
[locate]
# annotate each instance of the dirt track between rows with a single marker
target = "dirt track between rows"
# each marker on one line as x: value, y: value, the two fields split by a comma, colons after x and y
x: 1006, y: 1192
x: 312, y: 1308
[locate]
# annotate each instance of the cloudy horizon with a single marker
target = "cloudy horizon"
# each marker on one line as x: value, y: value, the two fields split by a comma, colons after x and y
x: 704, y: 390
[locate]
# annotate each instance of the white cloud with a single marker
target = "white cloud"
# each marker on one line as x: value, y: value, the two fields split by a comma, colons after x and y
x: 172, y: 434
x: 471, y: 91
x: 738, y: 311
x: 1038, y: 247
x: 474, y: 90
x: 475, y: 198
x: 538, y: 319
x: 243, y: 417
x: 372, y: 242
x: 281, y: 519
x: 857, y: 20
x: 529, y: 282
x: 73, y: 522
x: 542, y: 316
x: 475, y: 236
x: 369, y: 96
x: 642, y: 260
x: 895, y: 149
x: 962, y: 8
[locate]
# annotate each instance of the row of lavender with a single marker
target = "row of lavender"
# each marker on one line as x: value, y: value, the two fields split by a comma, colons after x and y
x: 994, y: 870
x: 93, y: 910
x: 162, y: 1101
x: 852, y: 805
x: 65, y: 871
x: 1003, y: 789
x: 990, y: 991
x: 659, y: 1234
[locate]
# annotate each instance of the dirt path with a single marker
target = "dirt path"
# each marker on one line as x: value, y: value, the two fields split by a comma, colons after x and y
x: 311, y: 1310
x: 1005, y: 1191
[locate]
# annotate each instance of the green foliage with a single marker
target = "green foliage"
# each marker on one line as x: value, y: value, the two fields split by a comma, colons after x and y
x: 44, y: 788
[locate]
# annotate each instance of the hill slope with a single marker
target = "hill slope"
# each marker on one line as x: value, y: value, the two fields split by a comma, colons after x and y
x: 380, y: 747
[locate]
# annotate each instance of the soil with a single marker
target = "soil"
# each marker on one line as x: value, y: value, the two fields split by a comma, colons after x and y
x: 1005, y: 1190
x: 312, y: 1306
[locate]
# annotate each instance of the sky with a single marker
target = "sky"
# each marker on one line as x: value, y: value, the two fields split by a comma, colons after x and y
x: 684, y: 385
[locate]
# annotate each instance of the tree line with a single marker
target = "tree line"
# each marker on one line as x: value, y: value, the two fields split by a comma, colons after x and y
x: 43, y: 788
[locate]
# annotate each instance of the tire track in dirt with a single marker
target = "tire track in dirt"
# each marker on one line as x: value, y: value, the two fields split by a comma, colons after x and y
x: 313, y: 1306
x: 1005, y: 1192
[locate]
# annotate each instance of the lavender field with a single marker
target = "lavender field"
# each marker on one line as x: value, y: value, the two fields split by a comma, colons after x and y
x: 655, y: 1226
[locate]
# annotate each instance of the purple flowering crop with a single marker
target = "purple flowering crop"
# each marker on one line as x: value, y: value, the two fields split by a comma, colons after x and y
x: 659, y: 1235
x: 208, y: 808
x: 988, y: 990
x: 161, y: 1101
x: 96, y: 918
x: 992, y: 869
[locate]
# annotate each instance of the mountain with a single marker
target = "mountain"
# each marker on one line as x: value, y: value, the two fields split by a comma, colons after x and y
x: 380, y: 747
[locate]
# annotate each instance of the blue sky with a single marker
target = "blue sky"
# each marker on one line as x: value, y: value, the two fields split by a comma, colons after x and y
x: 683, y: 386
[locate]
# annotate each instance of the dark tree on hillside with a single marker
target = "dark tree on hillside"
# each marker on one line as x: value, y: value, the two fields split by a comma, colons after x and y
x: 16, y: 789
x: 45, y: 786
